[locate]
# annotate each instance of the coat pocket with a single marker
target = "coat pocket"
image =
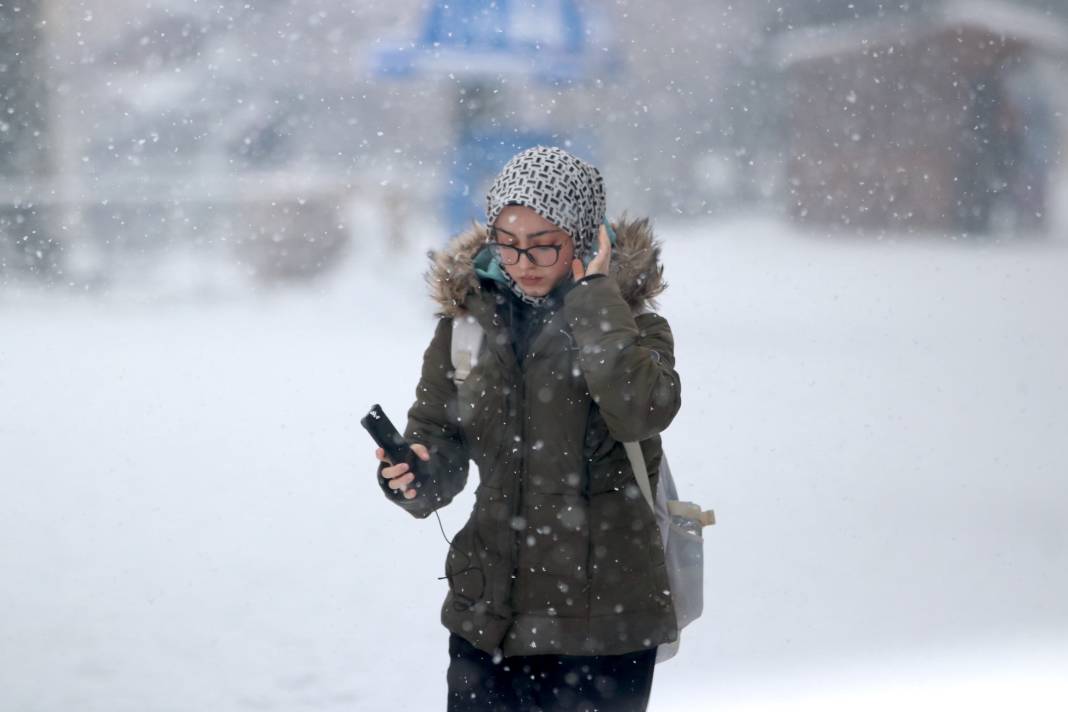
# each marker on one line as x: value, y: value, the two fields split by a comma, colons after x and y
x: 464, y: 570
x: 626, y: 565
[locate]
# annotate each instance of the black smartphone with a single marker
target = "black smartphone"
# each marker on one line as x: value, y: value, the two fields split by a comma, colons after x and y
x: 397, y: 449
x: 385, y: 435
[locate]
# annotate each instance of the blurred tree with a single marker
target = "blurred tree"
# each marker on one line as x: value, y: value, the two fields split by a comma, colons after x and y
x: 24, y: 243
x: 22, y: 91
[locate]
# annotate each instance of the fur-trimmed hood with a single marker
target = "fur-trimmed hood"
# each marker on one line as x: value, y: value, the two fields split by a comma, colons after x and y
x: 635, y: 267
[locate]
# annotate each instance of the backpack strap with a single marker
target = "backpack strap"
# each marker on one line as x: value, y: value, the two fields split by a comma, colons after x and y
x: 466, y: 342
x: 641, y: 475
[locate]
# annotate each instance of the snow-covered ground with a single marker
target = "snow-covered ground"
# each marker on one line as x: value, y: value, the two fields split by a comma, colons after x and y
x: 189, y: 519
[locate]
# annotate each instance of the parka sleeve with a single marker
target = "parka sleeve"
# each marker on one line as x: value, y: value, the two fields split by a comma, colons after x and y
x: 628, y: 362
x: 433, y: 421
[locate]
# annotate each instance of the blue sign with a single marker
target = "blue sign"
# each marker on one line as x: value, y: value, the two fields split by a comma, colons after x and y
x: 550, y: 40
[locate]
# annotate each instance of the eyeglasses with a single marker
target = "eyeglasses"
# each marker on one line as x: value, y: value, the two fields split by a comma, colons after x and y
x: 540, y: 255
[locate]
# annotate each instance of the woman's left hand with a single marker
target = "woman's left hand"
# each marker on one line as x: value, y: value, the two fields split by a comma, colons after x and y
x: 599, y: 264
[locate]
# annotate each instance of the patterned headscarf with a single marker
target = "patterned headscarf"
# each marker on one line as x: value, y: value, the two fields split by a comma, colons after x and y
x: 563, y: 189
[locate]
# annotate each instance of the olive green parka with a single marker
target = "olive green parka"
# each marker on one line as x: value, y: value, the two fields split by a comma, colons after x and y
x: 561, y: 553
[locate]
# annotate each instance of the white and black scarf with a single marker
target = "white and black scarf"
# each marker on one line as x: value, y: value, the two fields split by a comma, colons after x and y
x: 563, y: 189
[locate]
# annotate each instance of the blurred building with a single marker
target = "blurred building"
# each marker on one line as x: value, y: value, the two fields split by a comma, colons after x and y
x: 940, y: 119
x: 235, y: 131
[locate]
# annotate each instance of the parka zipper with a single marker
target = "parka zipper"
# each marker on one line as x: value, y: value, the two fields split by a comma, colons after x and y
x: 517, y: 510
x: 517, y: 507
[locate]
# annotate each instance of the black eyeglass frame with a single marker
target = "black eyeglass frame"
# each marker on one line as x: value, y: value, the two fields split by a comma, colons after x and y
x: 500, y: 249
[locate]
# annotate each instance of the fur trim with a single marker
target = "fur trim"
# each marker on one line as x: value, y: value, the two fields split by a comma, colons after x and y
x: 635, y: 267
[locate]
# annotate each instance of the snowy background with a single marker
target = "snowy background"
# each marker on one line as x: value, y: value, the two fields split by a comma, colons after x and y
x: 189, y: 519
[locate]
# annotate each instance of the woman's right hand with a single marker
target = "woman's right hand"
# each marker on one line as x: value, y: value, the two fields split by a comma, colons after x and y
x: 398, y: 477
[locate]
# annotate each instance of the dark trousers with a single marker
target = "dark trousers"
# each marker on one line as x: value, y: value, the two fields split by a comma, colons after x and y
x: 547, y: 683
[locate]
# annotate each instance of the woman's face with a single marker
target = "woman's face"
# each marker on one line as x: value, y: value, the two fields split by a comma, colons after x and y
x: 519, y: 226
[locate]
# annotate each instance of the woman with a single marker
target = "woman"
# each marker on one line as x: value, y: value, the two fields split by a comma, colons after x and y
x: 558, y: 594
